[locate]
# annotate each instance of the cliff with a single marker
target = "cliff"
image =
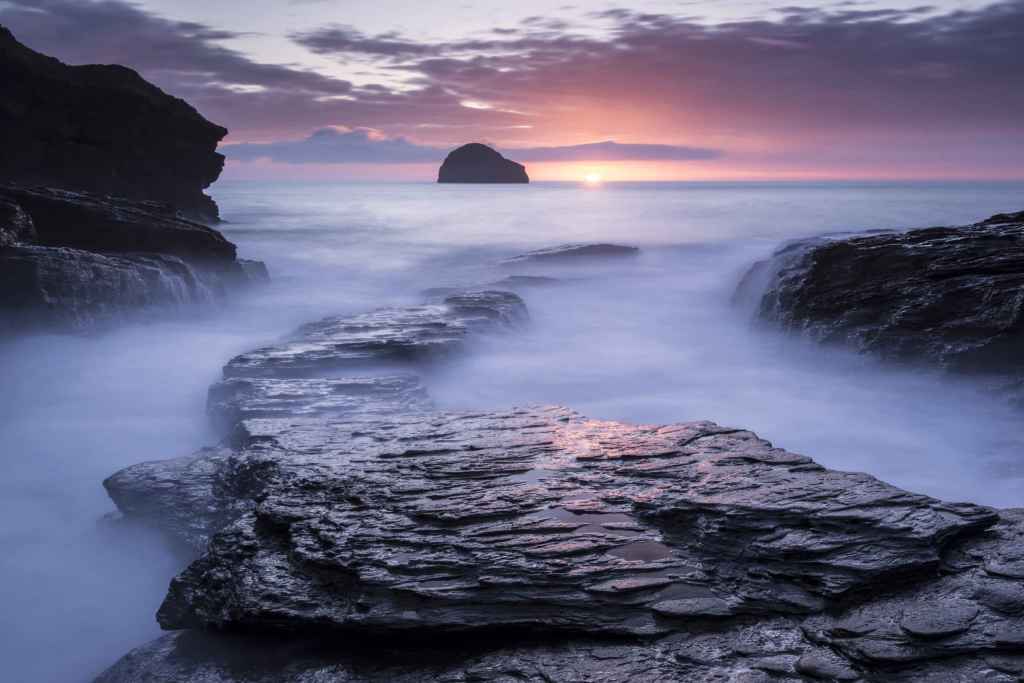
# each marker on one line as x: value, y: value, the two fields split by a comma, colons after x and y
x: 102, y: 129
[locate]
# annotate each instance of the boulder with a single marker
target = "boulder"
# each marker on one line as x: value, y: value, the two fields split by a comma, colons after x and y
x: 950, y: 297
x: 477, y: 163
x: 102, y: 129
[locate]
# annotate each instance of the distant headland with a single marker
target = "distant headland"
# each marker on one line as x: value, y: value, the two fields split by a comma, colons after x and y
x: 477, y: 163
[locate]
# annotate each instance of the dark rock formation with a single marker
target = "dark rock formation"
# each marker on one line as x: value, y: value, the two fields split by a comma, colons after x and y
x: 351, y: 533
x: 952, y: 297
x: 70, y: 290
x: 73, y: 262
x: 102, y: 129
x: 572, y: 253
x: 15, y: 225
x: 477, y: 163
x: 105, y: 224
x: 388, y: 335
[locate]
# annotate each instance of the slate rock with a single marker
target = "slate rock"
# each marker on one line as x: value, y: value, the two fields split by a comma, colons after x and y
x: 389, y: 335
x: 950, y: 297
x: 523, y: 519
x: 63, y: 218
x: 70, y: 290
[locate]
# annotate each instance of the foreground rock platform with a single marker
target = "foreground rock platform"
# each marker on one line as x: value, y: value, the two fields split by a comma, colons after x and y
x: 950, y: 297
x: 543, y: 519
x: 349, y: 531
x: 699, y: 550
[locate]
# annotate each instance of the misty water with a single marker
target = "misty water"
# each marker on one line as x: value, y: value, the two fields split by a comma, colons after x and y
x: 650, y: 339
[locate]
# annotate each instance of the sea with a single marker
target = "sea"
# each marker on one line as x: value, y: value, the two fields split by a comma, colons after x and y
x: 651, y: 339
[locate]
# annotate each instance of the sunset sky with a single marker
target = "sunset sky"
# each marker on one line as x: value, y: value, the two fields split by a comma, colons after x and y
x: 652, y: 90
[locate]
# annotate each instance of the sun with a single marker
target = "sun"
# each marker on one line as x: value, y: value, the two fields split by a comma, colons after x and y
x: 592, y: 178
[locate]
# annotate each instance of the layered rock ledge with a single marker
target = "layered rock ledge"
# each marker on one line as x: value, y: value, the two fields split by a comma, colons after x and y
x: 76, y: 262
x: 349, y: 531
x: 951, y: 297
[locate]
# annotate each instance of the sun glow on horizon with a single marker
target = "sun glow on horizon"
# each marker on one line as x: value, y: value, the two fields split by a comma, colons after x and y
x: 593, y: 178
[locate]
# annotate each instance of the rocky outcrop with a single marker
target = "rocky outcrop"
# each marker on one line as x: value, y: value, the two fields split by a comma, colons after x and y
x: 351, y: 532
x: 74, y: 262
x: 62, y: 218
x: 69, y: 290
x: 951, y: 297
x: 572, y: 253
x: 390, y: 335
x: 104, y: 130
x: 477, y: 163
x: 541, y: 519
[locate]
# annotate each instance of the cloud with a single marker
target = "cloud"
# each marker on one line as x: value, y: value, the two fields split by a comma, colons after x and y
x: 362, y: 146
x: 801, y: 87
x: 614, y: 151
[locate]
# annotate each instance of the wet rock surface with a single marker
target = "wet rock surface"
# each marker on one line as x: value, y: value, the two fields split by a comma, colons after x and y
x: 477, y: 163
x: 569, y: 253
x: 70, y: 290
x: 74, y: 262
x: 348, y: 531
x: 102, y: 129
x: 543, y: 519
x: 385, y: 336
x: 952, y: 297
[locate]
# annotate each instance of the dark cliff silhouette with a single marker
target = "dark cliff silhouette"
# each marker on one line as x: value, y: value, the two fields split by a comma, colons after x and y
x: 102, y: 129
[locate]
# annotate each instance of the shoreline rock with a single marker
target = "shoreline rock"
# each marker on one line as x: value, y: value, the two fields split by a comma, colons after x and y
x: 78, y: 263
x: 349, y: 531
x: 949, y: 297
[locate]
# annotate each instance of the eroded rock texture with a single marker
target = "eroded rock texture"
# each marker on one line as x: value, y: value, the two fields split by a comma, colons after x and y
x: 74, y: 262
x: 385, y: 336
x: 477, y: 163
x: 59, y: 289
x: 543, y: 519
x: 349, y: 532
x: 102, y: 129
x: 951, y: 297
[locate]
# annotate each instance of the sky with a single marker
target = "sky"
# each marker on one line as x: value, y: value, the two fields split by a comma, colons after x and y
x: 643, y: 90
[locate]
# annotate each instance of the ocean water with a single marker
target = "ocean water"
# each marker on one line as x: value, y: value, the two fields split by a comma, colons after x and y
x: 652, y: 339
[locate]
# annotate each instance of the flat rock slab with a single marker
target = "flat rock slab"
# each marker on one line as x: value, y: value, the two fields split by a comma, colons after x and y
x: 235, y: 400
x: 540, y: 518
x: 385, y: 336
x: 572, y: 253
